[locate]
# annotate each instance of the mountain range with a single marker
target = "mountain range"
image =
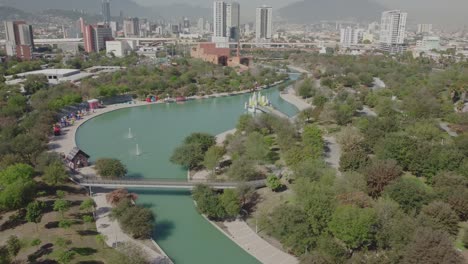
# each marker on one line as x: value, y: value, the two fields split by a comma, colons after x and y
x: 307, y: 11
x: 128, y: 7
x: 447, y: 13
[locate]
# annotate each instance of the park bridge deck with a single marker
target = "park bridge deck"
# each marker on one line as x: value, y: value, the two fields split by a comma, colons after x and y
x: 165, y: 183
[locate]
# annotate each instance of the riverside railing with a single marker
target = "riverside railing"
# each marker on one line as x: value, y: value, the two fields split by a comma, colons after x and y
x: 167, y: 183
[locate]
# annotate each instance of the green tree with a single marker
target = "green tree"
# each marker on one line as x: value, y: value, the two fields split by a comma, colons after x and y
x: 17, y: 186
x: 439, y: 216
x: 409, y: 192
x: 62, y: 206
x: 431, y: 247
x: 208, y: 202
x: 289, y: 224
x: 87, y: 205
x: 203, y: 139
x: 354, y: 226
x: 13, y: 245
x: 110, y: 168
x: 65, y: 257
x: 34, y: 212
x: 451, y: 188
x: 34, y: 83
x: 138, y: 222
x: 313, y: 141
x: 242, y: 169
x: 5, y: 257
x: 212, y: 157
x: 353, y: 160
x: 273, y: 183
x: 16, y: 172
x: 230, y: 202
x: 318, y: 201
x: 394, y: 227
x: 55, y: 174
x: 244, y: 123
x: 188, y: 155
x: 306, y: 88
x: 256, y: 147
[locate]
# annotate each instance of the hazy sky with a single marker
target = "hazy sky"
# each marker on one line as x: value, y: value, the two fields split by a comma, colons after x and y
x: 448, y: 12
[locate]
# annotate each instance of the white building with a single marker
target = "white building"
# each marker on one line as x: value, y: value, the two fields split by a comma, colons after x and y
x: 201, y: 24
x: 392, y: 31
x: 424, y: 28
x: 263, y: 23
x: 350, y: 36
x: 114, y: 27
x: 428, y: 43
x: 226, y: 19
x: 120, y: 48
x: 54, y: 76
x: 219, y: 19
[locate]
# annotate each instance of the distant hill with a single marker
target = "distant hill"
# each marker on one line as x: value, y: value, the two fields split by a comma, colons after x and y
x: 129, y: 8
x: 11, y: 13
x: 308, y: 11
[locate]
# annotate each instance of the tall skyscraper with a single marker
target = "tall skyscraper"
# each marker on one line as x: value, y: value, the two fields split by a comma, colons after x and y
x: 19, y: 39
x: 233, y: 21
x: 95, y: 37
x: 106, y: 14
x: 350, y: 36
x: 392, y: 31
x: 263, y: 23
x: 226, y: 19
x: 219, y: 19
x: 201, y: 24
x: 131, y: 27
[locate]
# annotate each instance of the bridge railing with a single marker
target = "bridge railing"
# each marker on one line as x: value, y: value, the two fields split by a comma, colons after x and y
x: 156, y: 182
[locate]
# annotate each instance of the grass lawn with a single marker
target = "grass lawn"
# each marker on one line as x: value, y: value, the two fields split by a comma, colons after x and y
x: 80, y: 237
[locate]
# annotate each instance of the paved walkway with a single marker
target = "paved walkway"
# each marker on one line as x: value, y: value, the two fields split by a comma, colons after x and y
x: 291, y: 97
x: 251, y: 242
x: 332, y: 156
x: 446, y: 128
x: 114, y: 233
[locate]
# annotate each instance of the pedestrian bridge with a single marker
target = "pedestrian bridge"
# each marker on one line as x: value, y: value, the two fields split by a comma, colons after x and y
x: 165, y: 183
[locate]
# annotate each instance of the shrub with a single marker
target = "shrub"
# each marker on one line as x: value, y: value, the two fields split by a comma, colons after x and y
x: 110, y: 168
x: 273, y: 183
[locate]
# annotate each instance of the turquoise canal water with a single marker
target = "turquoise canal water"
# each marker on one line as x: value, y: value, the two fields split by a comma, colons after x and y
x: 157, y: 129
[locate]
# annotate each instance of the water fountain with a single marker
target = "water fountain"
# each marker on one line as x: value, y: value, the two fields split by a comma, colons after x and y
x: 138, y: 153
x: 130, y: 135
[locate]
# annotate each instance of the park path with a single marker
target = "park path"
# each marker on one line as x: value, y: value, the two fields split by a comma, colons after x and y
x: 446, y: 128
x: 251, y: 242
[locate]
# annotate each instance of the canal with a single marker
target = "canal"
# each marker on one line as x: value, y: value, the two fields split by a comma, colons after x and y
x: 157, y: 129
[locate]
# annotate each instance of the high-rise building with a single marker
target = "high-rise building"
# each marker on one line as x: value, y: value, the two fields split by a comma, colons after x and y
x: 106, y: 14
x: 350, y: 36
x: 95, y: 37
x: 201, y: 24
x: 392, y: 31
x: 19, y: 39
x: 226, y: 19
x: 131, y: 27
x: 219, y: 19
x: 424, y: 28
x: 263, y: 23
x: 185, y: 25
x: 114, y: 26
x: 233, y: 21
